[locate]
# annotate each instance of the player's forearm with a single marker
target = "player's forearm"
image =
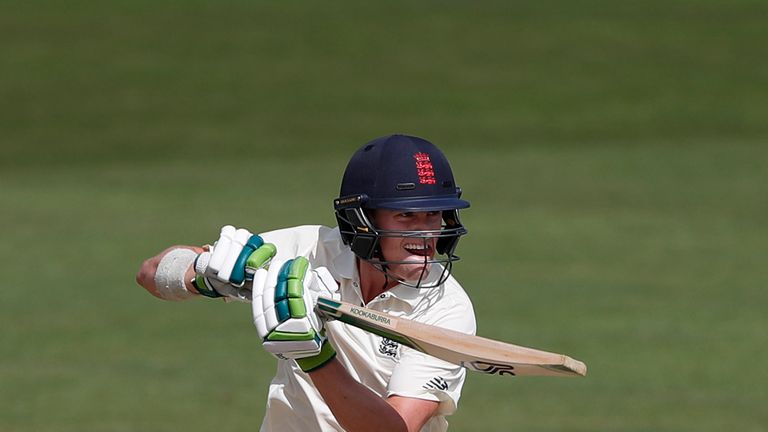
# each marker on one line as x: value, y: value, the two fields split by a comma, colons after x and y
x: 355, y: 406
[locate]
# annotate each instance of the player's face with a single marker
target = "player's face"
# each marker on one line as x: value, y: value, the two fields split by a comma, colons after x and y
x: 413, y: 250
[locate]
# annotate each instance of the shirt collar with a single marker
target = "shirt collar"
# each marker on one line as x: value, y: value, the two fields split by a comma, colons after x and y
x: 413, y: 296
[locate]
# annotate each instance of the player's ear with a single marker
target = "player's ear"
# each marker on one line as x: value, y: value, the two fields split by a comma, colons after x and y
x: 371, y: 214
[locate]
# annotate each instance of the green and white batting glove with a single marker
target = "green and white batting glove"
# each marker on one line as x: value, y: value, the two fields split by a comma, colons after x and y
x: 231, y: 261
x: 284, y: 311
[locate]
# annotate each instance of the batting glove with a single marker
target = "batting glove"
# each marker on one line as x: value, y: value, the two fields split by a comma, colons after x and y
x: 223, y: 270
x: 283, y: 311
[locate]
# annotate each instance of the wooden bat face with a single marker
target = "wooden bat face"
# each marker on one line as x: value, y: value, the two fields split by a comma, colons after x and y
x: 472, y: 352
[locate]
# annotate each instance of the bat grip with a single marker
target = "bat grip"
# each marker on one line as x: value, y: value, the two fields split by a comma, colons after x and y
x: 328, y: 308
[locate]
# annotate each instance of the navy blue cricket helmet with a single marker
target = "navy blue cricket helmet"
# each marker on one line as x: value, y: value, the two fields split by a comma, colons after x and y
x: 399, y: 172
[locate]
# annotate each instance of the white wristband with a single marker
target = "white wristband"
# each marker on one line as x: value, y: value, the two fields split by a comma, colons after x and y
x: 169, y: 277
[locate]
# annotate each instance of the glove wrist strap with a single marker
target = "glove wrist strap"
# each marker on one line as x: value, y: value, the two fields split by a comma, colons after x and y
x: 201, y: 285
x: 309, y: 364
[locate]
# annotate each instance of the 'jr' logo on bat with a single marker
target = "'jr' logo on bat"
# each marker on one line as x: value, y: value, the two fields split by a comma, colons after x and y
x: 490, y: 368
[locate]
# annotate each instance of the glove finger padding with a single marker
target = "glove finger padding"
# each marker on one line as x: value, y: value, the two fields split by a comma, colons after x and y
x: 233, y: 254
x: 232, y: 260
x: 236, y: 248
x: 220, y: 250
x: 283, y: 310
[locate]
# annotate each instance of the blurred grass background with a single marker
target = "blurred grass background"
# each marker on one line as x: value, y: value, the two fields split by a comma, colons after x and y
x: 615, y: 154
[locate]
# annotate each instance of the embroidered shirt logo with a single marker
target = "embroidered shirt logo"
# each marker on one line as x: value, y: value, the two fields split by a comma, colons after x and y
x: 388, y: 347
x: 436, y: 383
x: 424, y: 168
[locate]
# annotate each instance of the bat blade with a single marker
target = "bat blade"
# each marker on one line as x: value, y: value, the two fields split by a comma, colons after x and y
x: 472, y: 352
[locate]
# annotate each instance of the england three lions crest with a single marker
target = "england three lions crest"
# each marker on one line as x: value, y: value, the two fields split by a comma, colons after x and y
x: 389, y: 348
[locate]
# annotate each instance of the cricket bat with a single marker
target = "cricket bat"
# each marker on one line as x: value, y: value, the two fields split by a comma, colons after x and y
x: 472, y: 352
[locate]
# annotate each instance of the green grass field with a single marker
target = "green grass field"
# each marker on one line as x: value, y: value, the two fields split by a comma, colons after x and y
x: 615, y: 154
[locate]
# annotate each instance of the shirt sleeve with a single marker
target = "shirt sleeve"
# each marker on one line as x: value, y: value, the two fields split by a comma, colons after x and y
x: 422, y: 376
x: 293, y: 242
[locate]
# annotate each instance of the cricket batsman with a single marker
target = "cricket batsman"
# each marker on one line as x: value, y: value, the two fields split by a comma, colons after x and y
x: 392, y: 251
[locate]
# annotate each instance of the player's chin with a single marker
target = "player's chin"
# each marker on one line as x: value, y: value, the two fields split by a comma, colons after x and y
x: 412, y: 272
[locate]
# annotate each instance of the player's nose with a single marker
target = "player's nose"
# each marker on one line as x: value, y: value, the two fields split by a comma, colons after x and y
x: 424, y: 221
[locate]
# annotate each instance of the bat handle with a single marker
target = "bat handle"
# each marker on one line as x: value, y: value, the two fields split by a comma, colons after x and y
x: 328, y: 308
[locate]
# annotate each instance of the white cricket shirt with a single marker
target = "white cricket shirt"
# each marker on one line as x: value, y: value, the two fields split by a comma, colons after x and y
x: 384, y: 366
